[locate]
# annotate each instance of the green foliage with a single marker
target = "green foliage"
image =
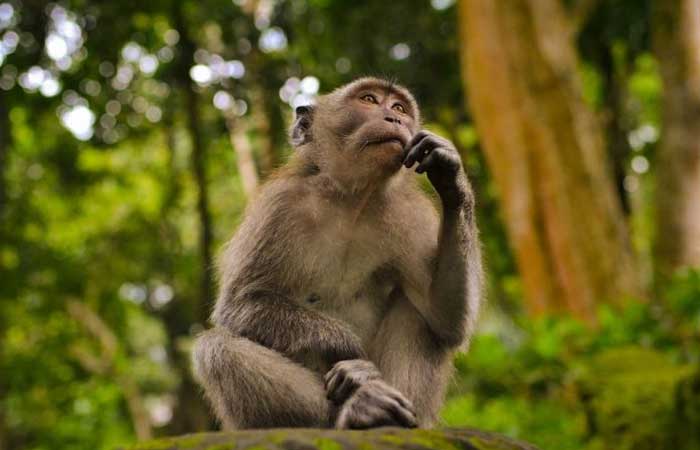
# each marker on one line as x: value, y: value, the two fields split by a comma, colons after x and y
x: 632, y: 383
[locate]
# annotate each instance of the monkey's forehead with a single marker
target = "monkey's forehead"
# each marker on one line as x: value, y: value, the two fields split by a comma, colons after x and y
x: 380, y: 83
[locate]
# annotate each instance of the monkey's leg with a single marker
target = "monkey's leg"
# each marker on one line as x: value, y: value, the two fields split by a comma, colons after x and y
x: 251, y: 386
x: 410, y: 359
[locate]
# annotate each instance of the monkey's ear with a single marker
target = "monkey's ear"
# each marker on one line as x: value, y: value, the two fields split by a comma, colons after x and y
x: 300, y: 133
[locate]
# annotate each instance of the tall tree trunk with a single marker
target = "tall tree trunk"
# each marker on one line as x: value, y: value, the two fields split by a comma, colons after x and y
x: 198, y: 161
x: 263, y: 128
x: 546, y: 153
x: 191, y: 413
x: 238, y: 135
x: 198, y: 158
x: 677, y: 46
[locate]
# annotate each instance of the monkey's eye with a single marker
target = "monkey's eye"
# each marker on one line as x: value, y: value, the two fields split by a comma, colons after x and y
x: 369, y: 98
x: 400, y: 108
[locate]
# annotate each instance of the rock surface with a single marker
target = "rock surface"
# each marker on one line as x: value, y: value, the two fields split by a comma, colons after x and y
x: 315, y: 439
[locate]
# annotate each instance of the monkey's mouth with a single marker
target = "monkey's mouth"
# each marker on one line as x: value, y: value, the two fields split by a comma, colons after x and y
x: 388, y: 140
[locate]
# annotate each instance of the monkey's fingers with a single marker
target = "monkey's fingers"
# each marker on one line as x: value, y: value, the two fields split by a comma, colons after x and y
x: 420, y: 151
x: 346, y: 388
x: 332, y: 385
x: 406, y: 403
x: 428, y: 162
x: 419, y: 146
x: 417, y: 138
x: 403, y: 416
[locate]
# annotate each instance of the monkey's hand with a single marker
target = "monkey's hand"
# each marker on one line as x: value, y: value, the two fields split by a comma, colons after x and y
x: 347, y: 376
x: 376, y: 404
x: 439, y: 158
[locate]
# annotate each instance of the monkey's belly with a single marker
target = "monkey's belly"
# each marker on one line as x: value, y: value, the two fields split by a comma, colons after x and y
x: 361, y: 311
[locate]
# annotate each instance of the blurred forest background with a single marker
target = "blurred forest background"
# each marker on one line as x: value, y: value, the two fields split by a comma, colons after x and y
x: 133, y: 133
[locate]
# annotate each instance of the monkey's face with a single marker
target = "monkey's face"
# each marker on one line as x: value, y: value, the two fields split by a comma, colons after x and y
x: 367, y: 124
x: 362, y: 128
x: 376, y: 124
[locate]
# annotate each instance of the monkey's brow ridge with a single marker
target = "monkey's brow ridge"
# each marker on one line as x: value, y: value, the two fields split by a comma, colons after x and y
x: 386, y: 85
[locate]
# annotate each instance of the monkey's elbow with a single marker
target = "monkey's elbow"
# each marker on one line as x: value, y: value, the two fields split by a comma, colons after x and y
x: 451, y: 339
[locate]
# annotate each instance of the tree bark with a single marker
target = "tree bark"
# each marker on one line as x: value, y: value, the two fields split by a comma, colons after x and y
x: 261, y: 120
x: 191, y: 414
x: 677, y: 47
x: 238, y: 135
x: 198, y: 162
x: 546, y: 153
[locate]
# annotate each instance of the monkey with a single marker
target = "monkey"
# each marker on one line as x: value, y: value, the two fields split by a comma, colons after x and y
x: 346, y: 289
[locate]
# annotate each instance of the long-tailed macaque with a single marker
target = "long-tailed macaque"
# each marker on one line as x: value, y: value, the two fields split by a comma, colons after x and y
x: 344, y: 293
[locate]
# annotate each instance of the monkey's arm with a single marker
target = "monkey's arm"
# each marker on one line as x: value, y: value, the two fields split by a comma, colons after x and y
x: 455, y: 287
x: 281, y: 325
x: 456, y: 281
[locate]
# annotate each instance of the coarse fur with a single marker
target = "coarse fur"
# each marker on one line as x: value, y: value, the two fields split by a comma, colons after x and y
x: 345, y: 292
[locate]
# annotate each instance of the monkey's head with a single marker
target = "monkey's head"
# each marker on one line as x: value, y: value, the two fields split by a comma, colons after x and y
x: 361, y: 128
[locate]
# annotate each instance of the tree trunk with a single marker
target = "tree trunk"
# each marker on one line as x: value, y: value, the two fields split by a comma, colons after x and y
x: 677, y: 46
x: 546, y: 153
x: 238, y: 135
x: 190, y: 411
x: 198, y: 158
x: 261, y: 120
x: 198, y: 161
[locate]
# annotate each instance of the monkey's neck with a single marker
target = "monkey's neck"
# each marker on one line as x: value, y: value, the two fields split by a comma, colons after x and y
x: 343, y: 182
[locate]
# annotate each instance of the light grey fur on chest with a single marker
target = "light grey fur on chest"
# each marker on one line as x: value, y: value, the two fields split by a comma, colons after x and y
x: 342, y: 267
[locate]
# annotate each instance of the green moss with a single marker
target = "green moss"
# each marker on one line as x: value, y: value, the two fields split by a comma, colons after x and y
x: 393, y: 439
x: 331, y: 440
x: 327, y: 444
x: 257, y: 447
x: 182, y: 443
x: 630, y: 397
x: 431, y: 439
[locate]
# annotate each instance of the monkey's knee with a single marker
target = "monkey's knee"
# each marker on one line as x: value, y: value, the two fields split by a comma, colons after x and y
x: 213, y: 355
x: 250, y: 386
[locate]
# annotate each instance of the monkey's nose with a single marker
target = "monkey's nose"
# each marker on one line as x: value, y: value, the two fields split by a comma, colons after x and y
x: 391, y: 119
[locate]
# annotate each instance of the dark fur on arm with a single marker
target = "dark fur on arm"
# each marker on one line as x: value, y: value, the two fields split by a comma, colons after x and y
x: 456, y: 286
x: 279, y: 324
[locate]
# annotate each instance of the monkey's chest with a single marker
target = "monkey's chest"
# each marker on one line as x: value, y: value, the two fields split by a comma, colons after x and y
x: 344, y: 278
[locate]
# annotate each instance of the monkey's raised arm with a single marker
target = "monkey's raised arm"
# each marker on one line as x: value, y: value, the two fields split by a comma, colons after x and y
x: 256, y: 271
x: 455, y: 287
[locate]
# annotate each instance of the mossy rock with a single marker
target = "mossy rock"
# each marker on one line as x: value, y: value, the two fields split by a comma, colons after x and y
x: 630, y: 399
x: 316, y: 439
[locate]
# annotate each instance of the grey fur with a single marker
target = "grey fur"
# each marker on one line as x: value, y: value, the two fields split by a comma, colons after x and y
x: 342, y: 257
